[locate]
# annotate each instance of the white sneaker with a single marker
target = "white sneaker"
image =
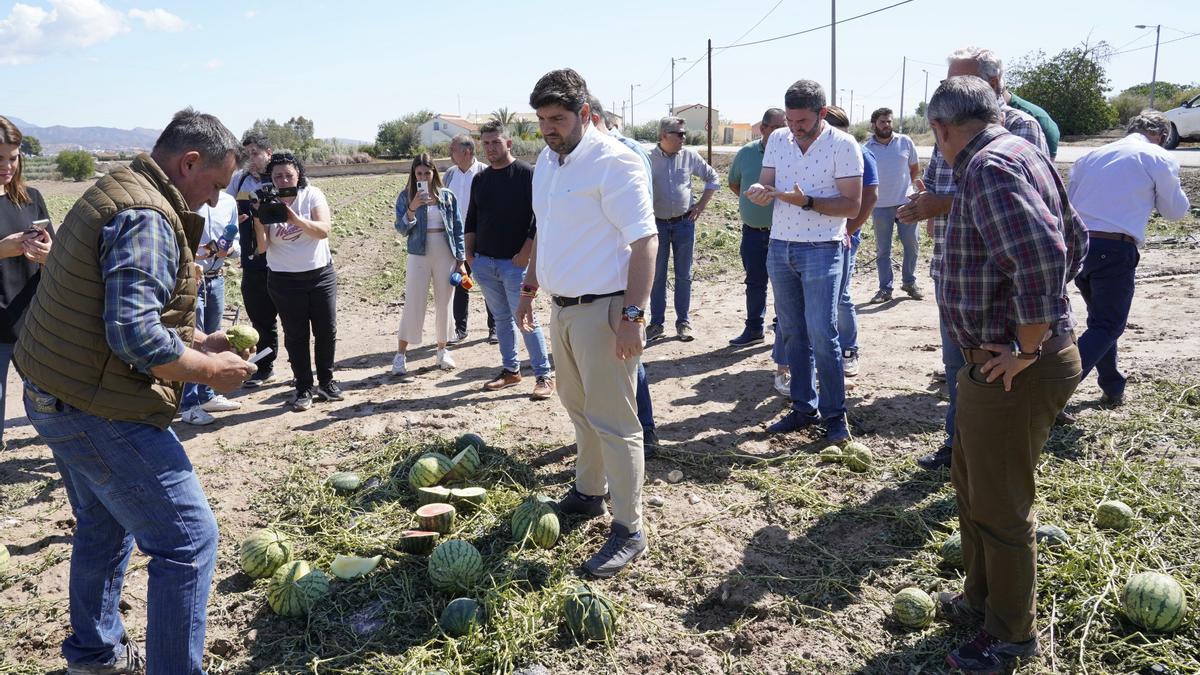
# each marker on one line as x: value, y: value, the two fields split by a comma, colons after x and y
x: 850, y: 364
x: 444, y: 361
x: 219, y: 403
x: 783, y: 384
x: 197, y: 416
x: 399, y: 365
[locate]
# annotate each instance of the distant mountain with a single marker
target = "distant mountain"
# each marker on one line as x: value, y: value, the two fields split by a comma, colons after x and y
x: 96, y: 139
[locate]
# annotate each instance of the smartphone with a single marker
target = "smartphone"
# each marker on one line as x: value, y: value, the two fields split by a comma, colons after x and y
x: 423, y: 186
x: 38, y: 226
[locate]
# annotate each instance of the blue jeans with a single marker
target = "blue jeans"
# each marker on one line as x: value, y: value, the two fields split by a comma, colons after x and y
x: 678, y: 239
x: 210, y: 306
x: 1106, y: 283
x: 128, y: 483
x: 952, y: 361
x: 6, y: 352
x: 501, y: 282
x: 806, y: 277
x: 883, y: 218
x: 847, y: 316
x: 754, y: 261
x: 645, y: 409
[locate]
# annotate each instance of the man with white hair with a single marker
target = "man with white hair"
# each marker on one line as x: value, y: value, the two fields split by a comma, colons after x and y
x: 458, y: 179
x: 1114, y: 188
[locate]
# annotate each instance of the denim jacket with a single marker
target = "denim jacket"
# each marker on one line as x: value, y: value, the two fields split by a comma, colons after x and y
x: 415, y: 229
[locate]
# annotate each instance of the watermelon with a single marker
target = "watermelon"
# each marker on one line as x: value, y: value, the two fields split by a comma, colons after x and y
x: 3, y: 558
x: 1113, y: 515
x: 1052, y: 535
x: 858, y: 457
x: 590, y: 616
x: 436, y: 517
x: 831, y: 454
x: 455, y: 566
x: 1154, y: 601
x: 344, y: 481
x: 467, y: 498
x: 432, y: 495
x: 463, y: 466
x: 952, y: 553
x: 295, y: 588
x: 241, y: 338
x: 912, y: 607
x: 264, y: 551
x: 470, y: 439
x: 417, y: 542
x: 459, y: 615
x: 349, y: 567
x: 536, y: 520
x: 428, y: 469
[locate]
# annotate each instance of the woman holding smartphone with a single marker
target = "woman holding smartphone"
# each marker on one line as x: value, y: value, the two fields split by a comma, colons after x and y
x: 24, y: 245
x: 427, y: 213
x: 301, y: 280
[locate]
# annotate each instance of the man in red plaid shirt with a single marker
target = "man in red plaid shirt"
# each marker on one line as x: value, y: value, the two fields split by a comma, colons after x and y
x: 1012, y: 244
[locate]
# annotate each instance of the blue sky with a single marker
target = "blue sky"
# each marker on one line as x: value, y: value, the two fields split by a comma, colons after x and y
x: 351, y: 65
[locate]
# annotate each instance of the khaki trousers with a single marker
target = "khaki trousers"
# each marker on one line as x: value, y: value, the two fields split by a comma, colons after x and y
x: 597, y: 389
x: 436, y: 265
x: 997, y: 442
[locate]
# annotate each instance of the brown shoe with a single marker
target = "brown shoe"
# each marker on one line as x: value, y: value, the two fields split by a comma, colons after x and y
x: 543, y: 389
x: 953, y: 607
x: 504, y: 380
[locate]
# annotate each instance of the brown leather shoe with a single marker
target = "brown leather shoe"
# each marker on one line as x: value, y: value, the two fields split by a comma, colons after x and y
x: 543, y: 389
x: 504, y: 380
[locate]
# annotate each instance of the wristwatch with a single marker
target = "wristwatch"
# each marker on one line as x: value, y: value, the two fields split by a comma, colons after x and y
x: 1026, y: 356
x: 808, y: 205
x: 633, y: 313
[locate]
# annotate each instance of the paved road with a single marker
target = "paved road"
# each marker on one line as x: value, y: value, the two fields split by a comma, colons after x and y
x: 1067, y: 154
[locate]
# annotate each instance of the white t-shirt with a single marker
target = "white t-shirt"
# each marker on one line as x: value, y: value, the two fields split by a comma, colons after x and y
x: 433, y: 218
x: 589, y: 210
x: 290, y: 249
x: 834, y: 154
x: 459, y: 182
x: 216, y: 220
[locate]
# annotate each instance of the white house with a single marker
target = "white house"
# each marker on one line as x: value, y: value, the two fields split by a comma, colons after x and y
x: 442, y: 128
x: 696, y: 116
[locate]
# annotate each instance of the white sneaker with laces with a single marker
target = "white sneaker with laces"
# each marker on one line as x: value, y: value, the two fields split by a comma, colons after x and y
x: 399, y: 365
x: 850, y: 365
x: 197, y: 416
x: 219, y: 403
x: 783, y: 384
x: 444, y: 360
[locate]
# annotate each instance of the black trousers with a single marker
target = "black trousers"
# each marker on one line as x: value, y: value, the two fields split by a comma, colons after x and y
x: 461, y: 303
x: 307, y: 303
x: 261, y: 310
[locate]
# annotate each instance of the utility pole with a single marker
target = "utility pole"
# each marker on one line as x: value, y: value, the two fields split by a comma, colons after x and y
x: 850, y: 110
x: 631, y: 102
x: 832, y: 53
x: 673, y: 60
x: 903, y: 72
x: 926, y: 99
x: 710, y: 119
x: 1154, y: 73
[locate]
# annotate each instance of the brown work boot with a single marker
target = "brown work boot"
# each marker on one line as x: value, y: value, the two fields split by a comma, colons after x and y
x: 504, y: 380
x: 953, y: 607
x: 543, y: 389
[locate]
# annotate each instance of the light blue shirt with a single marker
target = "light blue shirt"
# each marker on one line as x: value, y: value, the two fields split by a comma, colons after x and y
x: 672, y: 180
x: 216, y: 220
x: 893, y: 160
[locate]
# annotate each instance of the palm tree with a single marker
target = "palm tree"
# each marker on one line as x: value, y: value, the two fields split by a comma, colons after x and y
x: 522, y: 128
x: 503, y: 116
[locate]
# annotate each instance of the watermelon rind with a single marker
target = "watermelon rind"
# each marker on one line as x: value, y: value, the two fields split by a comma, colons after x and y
x: 476, y: 440
x: 463, y: 466
x: 1051, y: 536
x: 295, y: 588
x: 263, y: 552
x: 1154, y: 601
x: 351, y: 567
x: 436, y: 517
x: 536, y: 521
x: 468, y: 498
x: 417, y: 542
x: 952, y: 553
x: 455, y: 565
x: 432, y: 495
x: 428, y: 470
x: 1113, y: 515
x: 459, y: 615
x: 589, y: 615
x: 912, y: 607
x: 344, y: 481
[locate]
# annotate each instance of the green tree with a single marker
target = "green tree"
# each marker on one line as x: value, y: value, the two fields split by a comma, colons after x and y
x: 523, y: 129
x: 399, y: 137
x: 30, y: 145
x: 1070, y: 86
x: 503, y: 116
x: 921, y: 109
x: 76, y: 164
x: 1167, y: 95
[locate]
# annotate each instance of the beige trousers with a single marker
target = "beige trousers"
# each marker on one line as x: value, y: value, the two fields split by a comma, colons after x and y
x: 597, y: 389
x: 437, y: 264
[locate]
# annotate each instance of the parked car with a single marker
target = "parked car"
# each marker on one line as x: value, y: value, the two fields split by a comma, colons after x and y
x: 1185, y: 123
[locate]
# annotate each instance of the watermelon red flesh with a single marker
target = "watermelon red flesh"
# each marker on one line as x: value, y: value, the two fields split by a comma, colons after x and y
x: 436, y: 517
x: 418, y: 542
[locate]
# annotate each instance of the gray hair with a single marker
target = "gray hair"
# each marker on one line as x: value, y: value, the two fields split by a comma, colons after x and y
x: 597, y: 109
x: 670, y: 123
x: 193, y: 131
x: 1149, y: 122
x: 804, y: 95
x: 463, y: 141
x: 989, y: 64
x: 771, y: 114
x: 962, y: 99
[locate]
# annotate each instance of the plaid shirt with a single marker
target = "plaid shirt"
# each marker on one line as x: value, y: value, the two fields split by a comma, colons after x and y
x: 1013, y: 242
x: 139, y: 257
x: 939, y: 178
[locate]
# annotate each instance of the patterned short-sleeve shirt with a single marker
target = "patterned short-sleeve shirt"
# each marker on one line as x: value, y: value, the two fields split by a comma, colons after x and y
x: 834, y: 154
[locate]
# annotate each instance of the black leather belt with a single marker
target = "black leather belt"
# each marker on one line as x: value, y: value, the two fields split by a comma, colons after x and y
x: 563, y: 301
x: 1054, y: 345
x: 214, y: 275
x: 672, y: 221
x: 1115, y: 236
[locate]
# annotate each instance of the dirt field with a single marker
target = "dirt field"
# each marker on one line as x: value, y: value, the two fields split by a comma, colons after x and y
x: 762, y: 559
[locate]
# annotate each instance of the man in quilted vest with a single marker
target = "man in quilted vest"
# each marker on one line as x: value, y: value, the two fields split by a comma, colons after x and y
x: 107, y: 344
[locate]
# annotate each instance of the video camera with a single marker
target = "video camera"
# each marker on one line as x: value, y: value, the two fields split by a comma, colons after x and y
x: 265, y: 204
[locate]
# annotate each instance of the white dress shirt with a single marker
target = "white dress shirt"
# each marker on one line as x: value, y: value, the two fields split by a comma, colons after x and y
x: 459, y: 182
x: 589, y: 210
x: 1115, y: 186
x: 216, y: 220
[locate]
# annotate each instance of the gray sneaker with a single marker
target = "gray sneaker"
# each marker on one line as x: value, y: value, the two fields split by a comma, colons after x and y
x: 622, y: 548
x: 684, y: 331
x: 914, y: 291
x: 579, y: 504
x: 654, y: 331
x: 129, y: 662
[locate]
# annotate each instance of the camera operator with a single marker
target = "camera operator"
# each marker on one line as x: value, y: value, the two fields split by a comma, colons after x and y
x: 293, y: 230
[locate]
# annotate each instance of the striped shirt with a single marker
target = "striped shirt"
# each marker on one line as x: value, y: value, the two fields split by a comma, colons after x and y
x: 1013, y: 242
x: 139, y: 258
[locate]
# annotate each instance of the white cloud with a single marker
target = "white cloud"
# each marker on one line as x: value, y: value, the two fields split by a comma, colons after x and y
x: 29, y: 32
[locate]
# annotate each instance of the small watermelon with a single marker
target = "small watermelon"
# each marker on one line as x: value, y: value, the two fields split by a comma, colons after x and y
x: 455, y: 566
x: 1052, y: 535
x: 241, y: 337
x: 436, y: 518
x: 428, y: 470
x: 295, y: 588
x: 536, y: 520
x: 344, y: 481
x: 432, y: 495
x: 470, y: 439
x: 349, y: 567
x: 459, y: 615
x: 832, y: 453
x: 912, y: 607
x: 1154, y: 601
x: 858, y: 457
x: 264, y: 551
x: 952, y: 553
x: 590, y: 616
x: 463, y: 466
x: 1113, y: 515
x: 417, y: 542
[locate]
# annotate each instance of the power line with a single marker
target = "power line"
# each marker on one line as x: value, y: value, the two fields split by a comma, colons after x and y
x: 769, y: 12
x: 886, y: 83
x: 817, y: 28
x: 1164, y: 42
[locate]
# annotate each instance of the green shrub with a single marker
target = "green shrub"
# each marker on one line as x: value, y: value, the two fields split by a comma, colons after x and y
x: 1128, y: 105
x: 76, y: 164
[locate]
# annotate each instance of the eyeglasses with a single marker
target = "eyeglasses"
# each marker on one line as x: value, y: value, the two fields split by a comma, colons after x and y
x: 681, y: 134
